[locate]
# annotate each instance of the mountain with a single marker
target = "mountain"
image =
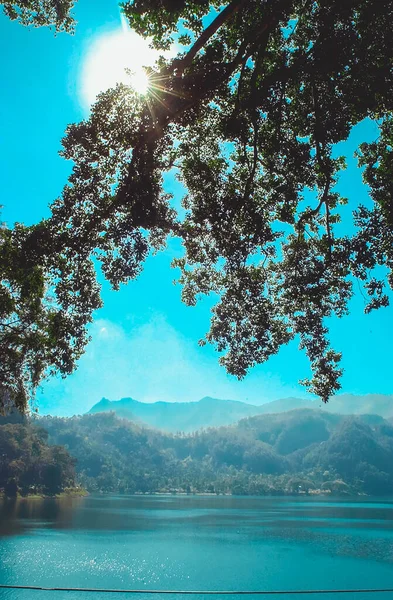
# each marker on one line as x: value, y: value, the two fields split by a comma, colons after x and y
x: 212, y: 412
x: 344, y: 404
x: 285, y: 404
x: 179, y: 416
x: 281, y: 453
x: 370, y: 404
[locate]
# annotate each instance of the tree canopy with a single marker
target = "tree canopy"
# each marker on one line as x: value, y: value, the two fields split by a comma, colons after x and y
x: 29, y: 464
x: 41, y: 13
x: 249, y: 115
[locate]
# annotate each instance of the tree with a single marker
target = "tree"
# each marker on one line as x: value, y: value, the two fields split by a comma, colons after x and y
x: 11, y: 488
x: 28, y: 464
x: 47, y: 296
x: 38, y: 13
x: 249, y: 115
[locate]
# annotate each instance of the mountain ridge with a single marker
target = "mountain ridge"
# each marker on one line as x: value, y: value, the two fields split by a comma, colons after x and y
x: 215, y: 412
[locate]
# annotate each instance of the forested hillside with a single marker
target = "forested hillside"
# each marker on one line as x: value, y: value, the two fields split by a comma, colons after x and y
x: 28, y: 464
x: 294, y: 452
x: 301, y: 450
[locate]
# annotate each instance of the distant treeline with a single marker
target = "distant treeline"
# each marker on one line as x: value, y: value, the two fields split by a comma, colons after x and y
x: 301, y: 451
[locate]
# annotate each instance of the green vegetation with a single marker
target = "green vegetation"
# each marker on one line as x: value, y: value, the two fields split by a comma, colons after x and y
x: 302, y: 451
x: 41, y: 13
x: 29, y: 466
x: 250, y: 114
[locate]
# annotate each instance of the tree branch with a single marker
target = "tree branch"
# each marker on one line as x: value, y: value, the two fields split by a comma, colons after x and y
x: 250, y: 179
x: 179, y: 105
x: 312, y: 211
x: 207, y: 33
x: 323, y: 167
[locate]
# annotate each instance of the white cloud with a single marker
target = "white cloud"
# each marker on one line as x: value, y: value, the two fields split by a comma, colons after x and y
x: 152, y: 362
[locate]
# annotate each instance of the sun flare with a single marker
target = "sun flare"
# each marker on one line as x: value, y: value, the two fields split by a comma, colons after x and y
x: 116, y: 57
x: 139, y: 80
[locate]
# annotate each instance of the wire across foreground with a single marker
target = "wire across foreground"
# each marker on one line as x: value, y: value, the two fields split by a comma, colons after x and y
x: 197, y: 592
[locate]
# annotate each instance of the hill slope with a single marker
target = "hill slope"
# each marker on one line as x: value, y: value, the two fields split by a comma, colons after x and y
x: 279, y: 453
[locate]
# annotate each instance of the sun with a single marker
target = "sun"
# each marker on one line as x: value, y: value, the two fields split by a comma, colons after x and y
x: 139, y: 80
x: 116, y: 57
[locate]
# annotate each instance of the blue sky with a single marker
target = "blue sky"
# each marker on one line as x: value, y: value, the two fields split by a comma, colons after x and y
x: 145, y: 342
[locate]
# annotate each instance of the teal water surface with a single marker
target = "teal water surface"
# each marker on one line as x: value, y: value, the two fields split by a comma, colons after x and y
x: 195, y: 542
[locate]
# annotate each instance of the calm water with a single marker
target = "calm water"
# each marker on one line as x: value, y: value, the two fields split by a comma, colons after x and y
x: 195, y: 543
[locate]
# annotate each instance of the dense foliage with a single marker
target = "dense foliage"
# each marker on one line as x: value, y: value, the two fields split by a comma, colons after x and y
x: 29, y: 465
x: 43, y: 312
x: 41, y: 13
x: 302, y: 450
x: 249, y: 115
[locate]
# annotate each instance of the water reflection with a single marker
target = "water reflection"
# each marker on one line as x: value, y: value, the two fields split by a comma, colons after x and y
x: 194, y: 543
x: 136, y: 513
x: 20, y: 514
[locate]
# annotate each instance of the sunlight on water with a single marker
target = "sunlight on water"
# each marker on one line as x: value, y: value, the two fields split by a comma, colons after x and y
x: 194, y: 543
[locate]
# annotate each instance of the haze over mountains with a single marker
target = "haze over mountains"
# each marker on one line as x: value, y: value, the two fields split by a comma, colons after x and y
x: 304, y: 450
x: 213, y: 412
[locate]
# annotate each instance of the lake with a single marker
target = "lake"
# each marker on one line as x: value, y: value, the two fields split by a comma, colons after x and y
x: 195, y: 542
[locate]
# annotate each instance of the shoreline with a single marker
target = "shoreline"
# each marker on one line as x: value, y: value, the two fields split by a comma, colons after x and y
x: 77, y: 493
